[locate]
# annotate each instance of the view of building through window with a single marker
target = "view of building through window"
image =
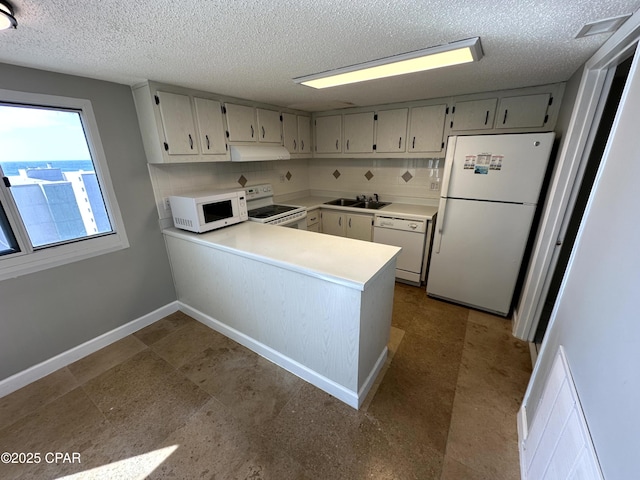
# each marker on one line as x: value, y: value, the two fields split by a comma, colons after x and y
x: 52, y: 177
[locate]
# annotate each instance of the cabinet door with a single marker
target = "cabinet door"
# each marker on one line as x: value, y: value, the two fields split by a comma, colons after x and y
x: 329, y: 134
x: 527, y: 111
x: 391, y: 132
x: 269, y: 126
x: 358, y: 133
x: 241, y: 122
x: 304, y: 134
x: 334, y: 223
x: 290, y: 132
x: 426, y: 128
x: 360, y: 227
x: 474, y: 114
x: 177, y: 123
x: 210, y: 126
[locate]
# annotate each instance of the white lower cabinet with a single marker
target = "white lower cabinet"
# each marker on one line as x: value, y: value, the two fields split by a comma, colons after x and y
x: 313, y: 220
x: 350, y: 225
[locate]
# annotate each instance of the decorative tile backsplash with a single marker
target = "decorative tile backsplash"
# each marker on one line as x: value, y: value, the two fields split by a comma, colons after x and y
x: 397, y: 178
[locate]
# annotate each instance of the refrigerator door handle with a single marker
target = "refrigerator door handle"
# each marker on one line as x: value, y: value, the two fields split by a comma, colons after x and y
x: 448, y: 166
x: 440, y: 221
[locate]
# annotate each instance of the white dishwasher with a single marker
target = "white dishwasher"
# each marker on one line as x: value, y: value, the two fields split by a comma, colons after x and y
x: 410, y: 234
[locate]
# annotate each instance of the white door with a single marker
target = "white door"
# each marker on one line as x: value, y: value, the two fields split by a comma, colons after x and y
x: 477, y: 252
x: 178, y: 125
x: 391, y: 132
x: 304, y: 134
x: 426, y: 126
x: 241, y: 122
x: 269, y: 126
x: 210, y: 126
x: 506, y: 168
x: 358, y: 133
x: 329, y: 134
x: 290, y: 132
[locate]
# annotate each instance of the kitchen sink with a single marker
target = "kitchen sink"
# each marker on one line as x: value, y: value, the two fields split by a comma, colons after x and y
x: 343, y: 202
x: 350, y: 202
x: 371, y: 205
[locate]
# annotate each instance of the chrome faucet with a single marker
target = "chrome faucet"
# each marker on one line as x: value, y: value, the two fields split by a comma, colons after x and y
x: 377, y: 199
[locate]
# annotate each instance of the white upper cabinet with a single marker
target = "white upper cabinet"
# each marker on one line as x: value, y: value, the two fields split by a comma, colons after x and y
x: 426, y: 128
x: 391, y: 130
x: 526, y: 111
x: 178, y: 124
x: 290, y: 132
x: 358, y: 133
x: 241, y: 123
x: 474, y: 115
x: 304, y: 134
x: 329, y: 134
x: 210, y: 126
x: 296, y: 133
x: 269, y: 126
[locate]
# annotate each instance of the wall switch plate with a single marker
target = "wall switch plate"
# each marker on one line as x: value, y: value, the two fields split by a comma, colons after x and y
x: 167, y: 204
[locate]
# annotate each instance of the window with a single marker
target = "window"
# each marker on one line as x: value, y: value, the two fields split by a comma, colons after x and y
x: 52, y: 163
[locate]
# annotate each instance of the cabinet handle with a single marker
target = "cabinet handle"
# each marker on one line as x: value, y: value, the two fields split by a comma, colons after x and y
x: 208, y: 143
x: 337, y: 144
x: 347, y: 144
x: 340, y: 221
x: 190, y: 142
x: 413, y: 144
x: 486, y: 118
x: 262, y: 132
x: 251, y: 131
x: 504, y: 120
x: 400, y: 143
x: 302, y: 145
x: 295, y: 145
x: 349, y: 222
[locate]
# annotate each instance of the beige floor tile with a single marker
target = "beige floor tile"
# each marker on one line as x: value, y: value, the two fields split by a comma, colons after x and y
x: 185, y: 343
x: 99, y: 362
x: 160, y: 329
x: 253, y: 388
x: 33, y: 396
x: 65, y: 425
x: 454, y: 470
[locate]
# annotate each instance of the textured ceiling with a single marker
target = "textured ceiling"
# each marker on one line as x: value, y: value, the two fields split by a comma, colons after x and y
x: 253, y: 48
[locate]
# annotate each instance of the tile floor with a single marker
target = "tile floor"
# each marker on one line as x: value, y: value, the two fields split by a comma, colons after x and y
x: 178, y: 400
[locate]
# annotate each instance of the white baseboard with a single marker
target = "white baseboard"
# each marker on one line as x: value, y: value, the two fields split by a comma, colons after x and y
x: 36, y: 372
x: 351, y: 398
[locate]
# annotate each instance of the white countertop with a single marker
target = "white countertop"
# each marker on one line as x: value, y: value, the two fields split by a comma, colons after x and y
x: 409, y: 211
x: 352, y: 263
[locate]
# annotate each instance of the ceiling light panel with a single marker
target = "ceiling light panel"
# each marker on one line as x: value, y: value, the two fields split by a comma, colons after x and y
x: 456, y: 53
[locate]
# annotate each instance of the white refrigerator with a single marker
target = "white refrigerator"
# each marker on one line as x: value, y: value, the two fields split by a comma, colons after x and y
x: 490, y: 189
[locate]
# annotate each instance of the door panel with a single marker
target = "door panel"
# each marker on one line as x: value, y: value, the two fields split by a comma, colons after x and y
x: 515, y: 167
x: 478, y: 251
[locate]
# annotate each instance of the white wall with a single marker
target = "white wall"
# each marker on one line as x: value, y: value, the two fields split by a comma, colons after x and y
x: 596, y: 316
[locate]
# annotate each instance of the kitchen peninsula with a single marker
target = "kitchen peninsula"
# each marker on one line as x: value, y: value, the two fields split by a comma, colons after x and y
x: 317, y: 305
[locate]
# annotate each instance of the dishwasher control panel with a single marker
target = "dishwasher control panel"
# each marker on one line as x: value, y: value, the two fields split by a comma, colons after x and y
x: 399, y: 223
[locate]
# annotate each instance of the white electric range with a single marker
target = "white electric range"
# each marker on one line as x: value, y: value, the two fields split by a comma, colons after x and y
x: 262, y: 209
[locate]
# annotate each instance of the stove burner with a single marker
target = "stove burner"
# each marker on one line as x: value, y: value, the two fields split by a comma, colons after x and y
x: 270, y: 211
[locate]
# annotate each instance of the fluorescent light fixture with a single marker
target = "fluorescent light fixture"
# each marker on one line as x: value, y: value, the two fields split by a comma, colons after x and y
x: 7, y: 20
x: 456, y: 53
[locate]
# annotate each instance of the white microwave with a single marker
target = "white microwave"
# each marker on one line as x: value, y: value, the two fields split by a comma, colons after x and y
x: 205, y: 211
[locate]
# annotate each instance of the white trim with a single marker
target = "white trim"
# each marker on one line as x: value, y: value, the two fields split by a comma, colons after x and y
x: 36, y: 372
x: 523, y: 433
x: 29, y: 261
x: 342, y: 393
x: 575, y: 150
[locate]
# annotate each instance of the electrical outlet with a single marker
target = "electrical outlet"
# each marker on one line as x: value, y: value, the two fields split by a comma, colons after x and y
x: 167, y: 204
x: 435, y: 185
x: 282, y: 178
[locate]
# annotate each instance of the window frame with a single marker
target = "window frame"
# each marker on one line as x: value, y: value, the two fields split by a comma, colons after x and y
x: 30, y: 260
